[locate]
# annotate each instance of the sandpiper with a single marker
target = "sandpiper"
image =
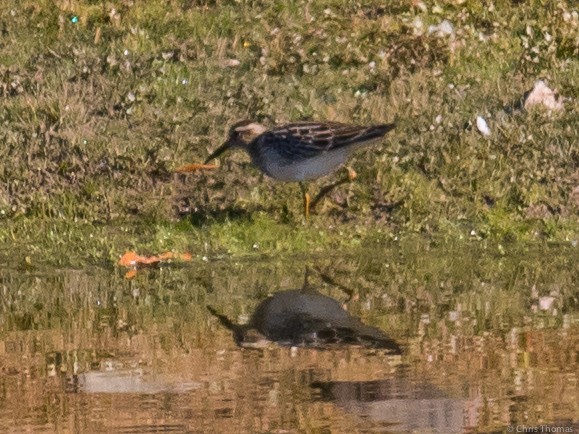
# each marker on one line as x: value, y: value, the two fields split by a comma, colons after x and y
x: 300, y: 151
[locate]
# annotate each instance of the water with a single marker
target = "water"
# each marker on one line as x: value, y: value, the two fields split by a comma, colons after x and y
x: 490, y: 342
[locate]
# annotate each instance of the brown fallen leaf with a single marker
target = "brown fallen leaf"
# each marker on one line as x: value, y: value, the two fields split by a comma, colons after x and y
x: 131, y: 274
x: 135, y: 261
x: 129, y: 259
x: 195, y: 166
x: 179, y: 256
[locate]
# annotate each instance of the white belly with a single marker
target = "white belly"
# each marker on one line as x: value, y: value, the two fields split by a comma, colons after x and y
x: 304, y: 170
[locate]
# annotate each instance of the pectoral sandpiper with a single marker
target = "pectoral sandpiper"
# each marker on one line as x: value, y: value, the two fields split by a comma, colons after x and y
x: 299, y: 151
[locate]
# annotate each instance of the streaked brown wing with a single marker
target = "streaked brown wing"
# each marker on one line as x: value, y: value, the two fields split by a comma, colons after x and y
x: 310, y: 139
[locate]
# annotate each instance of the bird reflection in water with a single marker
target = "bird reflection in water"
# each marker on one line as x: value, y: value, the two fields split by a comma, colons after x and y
x: 305, y: 318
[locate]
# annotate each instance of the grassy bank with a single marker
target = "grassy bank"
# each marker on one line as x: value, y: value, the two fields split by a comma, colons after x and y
x: 100, y: 101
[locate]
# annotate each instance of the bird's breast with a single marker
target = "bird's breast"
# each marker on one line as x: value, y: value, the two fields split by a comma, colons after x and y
x: 286, y: 169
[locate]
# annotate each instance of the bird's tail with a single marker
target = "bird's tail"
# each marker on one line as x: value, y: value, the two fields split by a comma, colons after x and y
x: 361, y: 135
x: 377, y: 131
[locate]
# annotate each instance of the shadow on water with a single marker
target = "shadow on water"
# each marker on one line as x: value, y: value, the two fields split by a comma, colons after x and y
x: 489, y: 341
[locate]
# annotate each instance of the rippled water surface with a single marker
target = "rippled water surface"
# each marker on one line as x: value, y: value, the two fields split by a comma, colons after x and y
x: 490, y: 343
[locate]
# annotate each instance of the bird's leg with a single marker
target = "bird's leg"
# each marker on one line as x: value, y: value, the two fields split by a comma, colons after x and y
x: 325, y: 190
x: 351, y: 293
x: 306, y: 284
x: 307, y: 200
x: 351, y: 174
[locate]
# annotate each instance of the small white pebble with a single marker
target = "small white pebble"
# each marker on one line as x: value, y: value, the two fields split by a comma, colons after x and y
x: 418, y: 26
x: 482, y: 126
x: 546, y: 303
x: 420, y: 5
x: 541, y: 94
x: 446, y: 28
x: 231, y: 63
x: 126, y: 52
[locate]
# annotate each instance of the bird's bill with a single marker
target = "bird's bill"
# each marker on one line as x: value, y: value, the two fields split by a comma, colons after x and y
x: 218, y: 152
x: 187, y: 168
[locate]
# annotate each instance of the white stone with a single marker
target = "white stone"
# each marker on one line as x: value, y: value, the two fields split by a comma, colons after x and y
x: 541, y: 94
x: 482, y: 126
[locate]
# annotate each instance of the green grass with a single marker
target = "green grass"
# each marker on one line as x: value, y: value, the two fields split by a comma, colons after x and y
x: 96, y: 114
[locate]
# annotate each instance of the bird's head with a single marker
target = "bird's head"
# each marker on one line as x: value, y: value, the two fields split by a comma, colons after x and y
x: 241, y: 134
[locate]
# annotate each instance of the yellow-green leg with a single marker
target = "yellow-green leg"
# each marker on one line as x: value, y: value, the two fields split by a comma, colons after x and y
x: 351, y: 174
x: 307, y: 200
